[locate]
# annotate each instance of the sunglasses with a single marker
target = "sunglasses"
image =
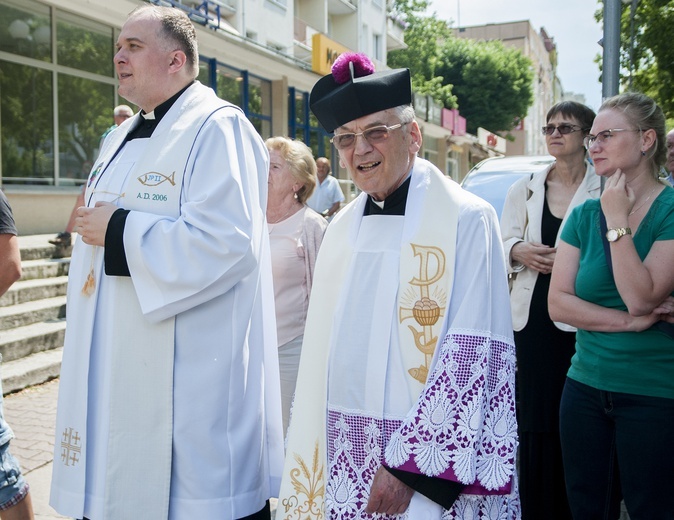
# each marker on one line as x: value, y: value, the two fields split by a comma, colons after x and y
x: 374, y: 135
x: 564, y: 129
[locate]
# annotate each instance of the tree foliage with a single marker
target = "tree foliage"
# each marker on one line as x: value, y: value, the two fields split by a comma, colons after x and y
x: 490, y: 83
x: 650, y: 60
x: 423, y: 36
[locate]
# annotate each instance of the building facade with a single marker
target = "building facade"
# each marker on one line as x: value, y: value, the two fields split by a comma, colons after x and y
x: 58, y: 85
x: 540, y: 48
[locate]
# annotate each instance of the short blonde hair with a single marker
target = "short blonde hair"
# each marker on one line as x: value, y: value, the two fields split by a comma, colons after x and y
x: 301, y: 161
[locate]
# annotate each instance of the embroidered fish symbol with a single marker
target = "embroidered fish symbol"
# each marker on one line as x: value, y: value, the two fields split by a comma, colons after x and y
x: 156, y: 178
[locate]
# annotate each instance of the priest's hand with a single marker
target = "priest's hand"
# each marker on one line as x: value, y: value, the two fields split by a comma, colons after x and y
x: 92, y: 223
x: 388, y: 495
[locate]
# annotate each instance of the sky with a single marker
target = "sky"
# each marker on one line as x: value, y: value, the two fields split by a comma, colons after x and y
x: 570, y: 23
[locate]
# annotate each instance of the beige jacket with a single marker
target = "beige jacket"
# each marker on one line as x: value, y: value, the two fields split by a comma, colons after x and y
x: 525, y: 198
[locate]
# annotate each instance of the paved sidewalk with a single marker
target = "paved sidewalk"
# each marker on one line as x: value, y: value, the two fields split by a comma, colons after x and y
x: 32, y: 414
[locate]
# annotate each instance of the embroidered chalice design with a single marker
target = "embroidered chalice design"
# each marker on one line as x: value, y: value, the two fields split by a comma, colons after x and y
x: 426, y: 311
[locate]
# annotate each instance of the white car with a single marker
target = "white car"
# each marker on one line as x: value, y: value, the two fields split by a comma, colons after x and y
x: 491, y: 179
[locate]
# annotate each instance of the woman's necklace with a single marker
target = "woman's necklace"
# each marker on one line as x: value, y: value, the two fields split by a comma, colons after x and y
x: 644, y: 202
x: 293, y: 207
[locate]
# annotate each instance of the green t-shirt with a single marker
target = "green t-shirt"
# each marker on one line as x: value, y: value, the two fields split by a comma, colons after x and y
x: 631, y: 362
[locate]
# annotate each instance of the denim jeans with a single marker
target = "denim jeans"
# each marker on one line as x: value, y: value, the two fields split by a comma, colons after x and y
x: 613, y: 445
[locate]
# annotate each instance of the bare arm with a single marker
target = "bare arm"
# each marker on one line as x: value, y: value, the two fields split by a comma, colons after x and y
x: 10, y: 261
x: 564, y: 306
x: 642, y: 285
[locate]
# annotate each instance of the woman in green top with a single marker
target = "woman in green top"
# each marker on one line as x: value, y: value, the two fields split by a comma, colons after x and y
x: 617, y: 410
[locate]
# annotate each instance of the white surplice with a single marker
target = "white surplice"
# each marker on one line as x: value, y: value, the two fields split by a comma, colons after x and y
x: 408, y: 361
x: 169, y: 402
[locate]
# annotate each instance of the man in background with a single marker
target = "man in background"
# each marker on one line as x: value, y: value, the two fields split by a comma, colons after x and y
x: 327, y: 196
x: 120, y: 114
x: 15, y: 501
x: 406, y: 393
x: 64, y: 239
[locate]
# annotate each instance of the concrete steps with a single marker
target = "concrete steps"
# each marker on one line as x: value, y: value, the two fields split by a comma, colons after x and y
x: 33, y: 370
x: 30, y: 290
x: 21, y: 314
x: 32, y: 316
x: 44, y: 268
x: 24, y: 341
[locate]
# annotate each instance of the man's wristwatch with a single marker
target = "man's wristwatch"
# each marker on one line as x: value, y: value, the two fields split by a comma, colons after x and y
x: 614, y: 234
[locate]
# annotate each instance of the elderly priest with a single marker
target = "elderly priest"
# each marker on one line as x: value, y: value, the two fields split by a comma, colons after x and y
x: 405, y: 401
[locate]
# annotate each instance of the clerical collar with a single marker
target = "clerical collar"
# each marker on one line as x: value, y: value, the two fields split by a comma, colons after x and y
x: 149, y: 121
x: 394, y: 204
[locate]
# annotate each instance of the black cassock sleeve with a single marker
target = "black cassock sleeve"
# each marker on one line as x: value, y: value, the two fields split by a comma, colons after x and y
x: 441, y: 491
x: 114, y: 255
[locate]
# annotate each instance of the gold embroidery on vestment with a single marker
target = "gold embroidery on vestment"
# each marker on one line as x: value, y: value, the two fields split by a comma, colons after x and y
x: 71, y: 447
x: 152, y: 179
x: 426, y: 304
x: 308, y: 483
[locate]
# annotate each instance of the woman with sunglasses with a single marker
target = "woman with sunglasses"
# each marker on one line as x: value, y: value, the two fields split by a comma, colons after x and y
x: 616, y: 285
x: 533, y: 215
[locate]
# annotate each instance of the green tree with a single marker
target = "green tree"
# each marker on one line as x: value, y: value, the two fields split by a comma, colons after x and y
x: 649, y: 61
x: 423, y: 36
x: 490, y: 83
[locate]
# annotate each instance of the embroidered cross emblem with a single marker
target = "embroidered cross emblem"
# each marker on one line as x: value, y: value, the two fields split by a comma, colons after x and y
x: 71, y: 447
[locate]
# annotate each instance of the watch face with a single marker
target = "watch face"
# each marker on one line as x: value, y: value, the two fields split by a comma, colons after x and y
x: 612, y: 235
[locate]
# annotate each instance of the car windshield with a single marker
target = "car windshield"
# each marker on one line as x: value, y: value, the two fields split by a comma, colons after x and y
x: 491, y: 179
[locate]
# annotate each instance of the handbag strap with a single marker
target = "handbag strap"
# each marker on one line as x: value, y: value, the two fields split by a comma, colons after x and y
x: 604, y: 241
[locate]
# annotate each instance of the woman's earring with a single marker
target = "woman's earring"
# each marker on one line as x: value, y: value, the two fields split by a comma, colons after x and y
x: 295, y: 195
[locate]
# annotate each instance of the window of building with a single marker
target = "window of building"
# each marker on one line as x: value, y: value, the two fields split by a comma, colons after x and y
x: 304, y: 126
x: 229, y: 84
x: 26, y: 124
x: 84, y: 45
x: 377, y: 47
x: 364, y: 39
x: 47, y: 137
x: 251, y: 93
x: 25, y: 29
x: 258, y: 107
x: 80, y: 138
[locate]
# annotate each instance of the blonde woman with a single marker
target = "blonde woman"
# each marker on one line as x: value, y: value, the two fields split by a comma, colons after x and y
x: 295, y: 234
x: 616, y: 286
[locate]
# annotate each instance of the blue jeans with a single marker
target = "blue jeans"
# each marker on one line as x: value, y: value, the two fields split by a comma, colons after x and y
x: 614, y: 445
x: 13, y: 487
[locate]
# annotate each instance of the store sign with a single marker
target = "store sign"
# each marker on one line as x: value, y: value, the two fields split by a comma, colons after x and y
x: 453, y: 121
x: 490, y: 140
x: 324, y: 52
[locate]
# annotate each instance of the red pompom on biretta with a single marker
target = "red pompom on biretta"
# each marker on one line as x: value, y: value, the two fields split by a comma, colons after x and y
x: 341, y: 68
